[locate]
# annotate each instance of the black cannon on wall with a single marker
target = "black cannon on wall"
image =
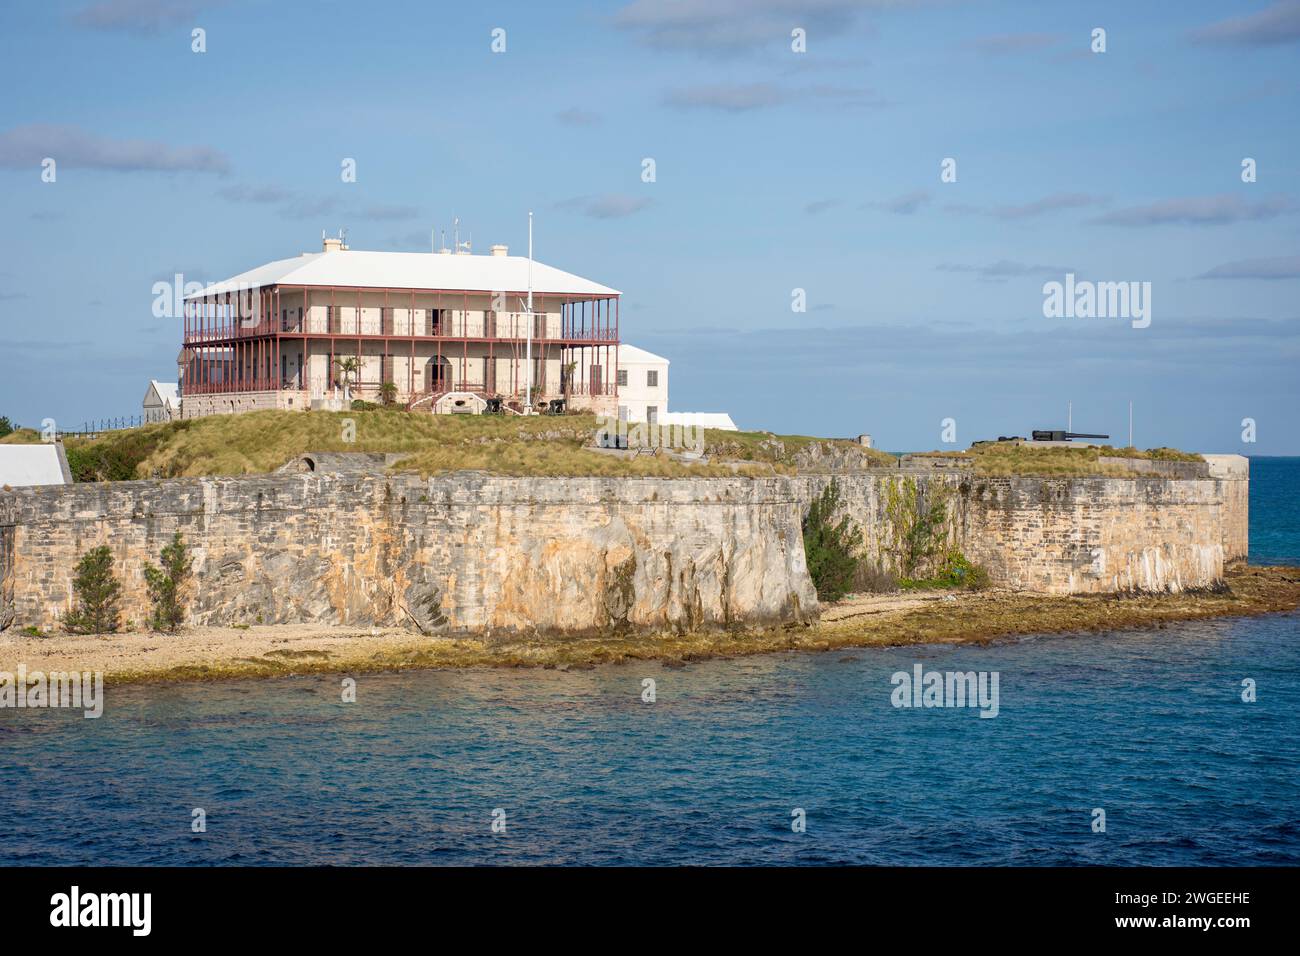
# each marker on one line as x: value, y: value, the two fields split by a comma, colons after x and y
x: 1061, y: 436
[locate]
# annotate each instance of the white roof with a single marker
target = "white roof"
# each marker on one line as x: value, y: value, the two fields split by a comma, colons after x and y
x: 33, y: 465
x: 719, y: 420
x: 410, y: 270
x: 630, y: 354
x: 166, y: 391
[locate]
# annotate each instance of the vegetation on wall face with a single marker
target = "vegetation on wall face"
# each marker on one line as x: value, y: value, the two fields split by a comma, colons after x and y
x: 830, y: 547
x: 165, y: 586
x: 917, y: 522
x: 97, y: 592
x: 918, y: 543
x: 921, y: 537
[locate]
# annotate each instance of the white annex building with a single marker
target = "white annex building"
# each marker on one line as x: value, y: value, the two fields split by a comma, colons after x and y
x: 161, y: 403
x: 643, y: 393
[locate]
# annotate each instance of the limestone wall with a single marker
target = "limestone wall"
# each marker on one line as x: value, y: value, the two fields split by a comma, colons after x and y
x: 471, y: 552
x: 1055, y: 535
x: 465, y: 552
x: 232, y: 403
x: 1232, y: 472
x: 1091, y: 535
x: 1059, y: 535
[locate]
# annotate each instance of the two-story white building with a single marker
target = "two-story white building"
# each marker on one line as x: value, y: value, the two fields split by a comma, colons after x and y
x: 643, y: 393
x: 407, y: 327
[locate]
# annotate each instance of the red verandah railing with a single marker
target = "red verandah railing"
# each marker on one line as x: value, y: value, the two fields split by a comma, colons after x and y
x: 236, y: 340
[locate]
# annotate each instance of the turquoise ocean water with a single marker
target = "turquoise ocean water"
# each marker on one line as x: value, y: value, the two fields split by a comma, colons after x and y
x: 1148, y: 726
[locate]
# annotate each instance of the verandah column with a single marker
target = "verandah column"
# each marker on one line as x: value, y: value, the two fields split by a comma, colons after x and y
x: 276, y: 325
x: 304, y: 373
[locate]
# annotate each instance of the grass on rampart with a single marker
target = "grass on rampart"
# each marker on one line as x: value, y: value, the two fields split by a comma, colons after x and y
x: 1009, y: 458
x: 260, y: 442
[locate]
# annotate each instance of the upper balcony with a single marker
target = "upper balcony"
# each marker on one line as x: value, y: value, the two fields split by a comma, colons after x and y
x: 357, y: 324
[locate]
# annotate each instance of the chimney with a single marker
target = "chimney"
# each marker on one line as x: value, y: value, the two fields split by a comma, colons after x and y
x: 500, y: 250
x: 334, y: 245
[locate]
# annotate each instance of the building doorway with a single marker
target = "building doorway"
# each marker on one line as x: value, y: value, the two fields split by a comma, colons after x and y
x: 437, y: 375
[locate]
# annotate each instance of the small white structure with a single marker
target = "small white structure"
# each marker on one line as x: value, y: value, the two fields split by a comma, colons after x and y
x: 719, y: 420
x: 643, y: 393
x: 162, y: 402
x: 43, y: 464
x: 460, y: 403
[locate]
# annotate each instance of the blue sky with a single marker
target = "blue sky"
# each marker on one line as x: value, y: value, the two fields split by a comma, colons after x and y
x: 775, y: 171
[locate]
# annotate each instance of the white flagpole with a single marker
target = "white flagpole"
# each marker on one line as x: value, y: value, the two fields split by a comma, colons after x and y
x: 528, y: 352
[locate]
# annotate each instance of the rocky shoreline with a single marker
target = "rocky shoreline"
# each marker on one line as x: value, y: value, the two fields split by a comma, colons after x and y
x: 218, y: 653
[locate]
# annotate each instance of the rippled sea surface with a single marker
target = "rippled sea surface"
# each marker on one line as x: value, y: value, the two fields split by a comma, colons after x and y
x: 1147, y: 725
x: 1275, y: 511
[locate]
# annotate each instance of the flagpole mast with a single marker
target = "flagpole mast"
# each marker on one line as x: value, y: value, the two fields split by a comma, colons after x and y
x: 528, y: 353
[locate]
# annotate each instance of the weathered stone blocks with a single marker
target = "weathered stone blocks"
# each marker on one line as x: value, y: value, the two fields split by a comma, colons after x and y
x: 471, y: 552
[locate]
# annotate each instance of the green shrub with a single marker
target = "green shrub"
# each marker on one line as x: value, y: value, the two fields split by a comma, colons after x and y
x: 165, y: 586
x: 97, y: 594
x: 115, y: 460
x: 6, y: 426
x: 955, y: 572
x: 958, y: 572
x: 830, y: 547
x: 918, y: 515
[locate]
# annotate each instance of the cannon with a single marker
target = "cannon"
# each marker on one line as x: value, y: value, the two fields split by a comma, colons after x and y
x: 1061, y: 436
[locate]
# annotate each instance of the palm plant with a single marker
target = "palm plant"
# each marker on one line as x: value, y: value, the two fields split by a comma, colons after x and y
x: 347, y: 366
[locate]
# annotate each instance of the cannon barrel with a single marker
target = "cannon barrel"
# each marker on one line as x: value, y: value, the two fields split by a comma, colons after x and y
x: 1044, y: 435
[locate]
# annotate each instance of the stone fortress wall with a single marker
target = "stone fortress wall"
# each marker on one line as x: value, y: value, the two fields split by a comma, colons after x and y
x: 470, y: 552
